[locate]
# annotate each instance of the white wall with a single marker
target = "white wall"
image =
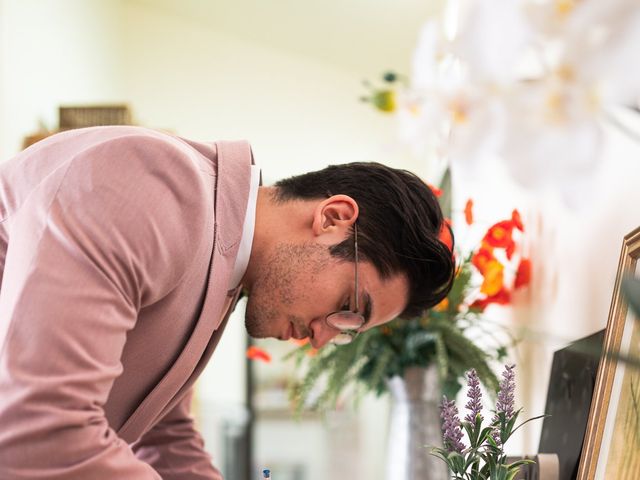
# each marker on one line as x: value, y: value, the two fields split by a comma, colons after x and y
x: 55, y: 52
x: 298, y: 113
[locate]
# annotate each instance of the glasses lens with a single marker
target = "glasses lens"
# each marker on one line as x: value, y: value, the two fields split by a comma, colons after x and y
x: 342, y: 339
x: 345, y: 320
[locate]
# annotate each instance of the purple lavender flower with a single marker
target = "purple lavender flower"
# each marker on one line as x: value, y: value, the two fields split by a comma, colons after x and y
x: 451, y: 431
x: 505, y: 399
x: 474, y: 405
x: 506, y: 393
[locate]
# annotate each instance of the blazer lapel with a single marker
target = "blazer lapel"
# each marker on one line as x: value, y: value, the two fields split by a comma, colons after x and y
x: 232, y: 299
x: 231, y: 195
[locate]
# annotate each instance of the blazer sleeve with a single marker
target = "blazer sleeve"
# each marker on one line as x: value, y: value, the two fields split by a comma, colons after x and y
x: 175, y: 449
x: 88, y: 247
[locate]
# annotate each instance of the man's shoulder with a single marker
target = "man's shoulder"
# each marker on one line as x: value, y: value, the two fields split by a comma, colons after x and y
x: 125, y: 137
x: 128, y: 137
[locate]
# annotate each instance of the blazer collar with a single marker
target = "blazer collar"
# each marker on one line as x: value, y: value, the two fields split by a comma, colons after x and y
x: 234, y: 173
x: 230, y: 203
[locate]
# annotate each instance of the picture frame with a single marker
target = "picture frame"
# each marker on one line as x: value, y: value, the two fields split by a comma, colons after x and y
x: 612, y: 442
x: 81, y: 116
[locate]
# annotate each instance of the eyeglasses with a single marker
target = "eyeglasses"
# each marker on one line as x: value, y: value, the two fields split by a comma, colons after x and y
x: 347, y: 321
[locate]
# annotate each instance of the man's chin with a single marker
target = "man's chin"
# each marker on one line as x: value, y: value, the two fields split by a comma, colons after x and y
x: 253, y: 328
x: 258, y: 335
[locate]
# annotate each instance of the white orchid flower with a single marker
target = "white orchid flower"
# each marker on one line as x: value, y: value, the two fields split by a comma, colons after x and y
x: 530, y: 80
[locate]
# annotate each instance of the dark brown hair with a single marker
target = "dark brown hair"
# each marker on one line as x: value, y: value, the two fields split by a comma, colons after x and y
x: 399, y: 225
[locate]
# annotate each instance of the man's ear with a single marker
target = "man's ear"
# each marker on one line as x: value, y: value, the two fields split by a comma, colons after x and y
x: 333, y: 217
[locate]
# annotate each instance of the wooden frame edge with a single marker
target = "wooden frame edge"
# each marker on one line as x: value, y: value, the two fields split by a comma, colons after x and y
x: 606, y: 370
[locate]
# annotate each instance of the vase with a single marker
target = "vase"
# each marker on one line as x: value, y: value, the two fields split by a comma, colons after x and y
x: 415, y: 426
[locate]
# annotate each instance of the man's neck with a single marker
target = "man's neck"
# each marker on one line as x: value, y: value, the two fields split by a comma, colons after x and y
x: 276, y: 222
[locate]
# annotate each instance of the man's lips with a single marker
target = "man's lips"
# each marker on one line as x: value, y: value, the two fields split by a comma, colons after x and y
x: 289, y: 333
x: 292, y: 333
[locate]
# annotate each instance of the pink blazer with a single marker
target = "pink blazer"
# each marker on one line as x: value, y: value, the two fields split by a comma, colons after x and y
x: 116, y: 249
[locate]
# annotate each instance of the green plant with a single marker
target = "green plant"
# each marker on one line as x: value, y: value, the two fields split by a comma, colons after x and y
x: 455, y: 335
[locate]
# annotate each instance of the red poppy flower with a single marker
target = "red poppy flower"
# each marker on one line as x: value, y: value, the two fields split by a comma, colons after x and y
x: 479, y: 304
x: 499, y: 235
x: 523, y: 274
x: 445, y: 234
x: 256, y: 353
x: 517, y: 220
x: 503, y: 297
x: 511, y: 248
x: 436, y: 191
x: 468, y: 212
x: 481, y: 258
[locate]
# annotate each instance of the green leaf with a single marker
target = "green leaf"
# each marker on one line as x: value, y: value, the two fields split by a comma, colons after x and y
x: 442, y: 358
x: 457, y: 462
x: 485, y: 434
x: 460, y: 286
x: 518, y: 463
x: 447, y: 193
x: 527, y: 421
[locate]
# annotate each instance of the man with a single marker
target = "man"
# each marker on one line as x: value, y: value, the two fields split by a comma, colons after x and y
x: 122, y: 253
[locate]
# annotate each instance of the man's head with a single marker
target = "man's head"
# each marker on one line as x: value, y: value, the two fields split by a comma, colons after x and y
x: 404, y: 267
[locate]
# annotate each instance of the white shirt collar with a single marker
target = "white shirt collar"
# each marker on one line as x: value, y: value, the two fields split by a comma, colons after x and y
x: 248, y: 227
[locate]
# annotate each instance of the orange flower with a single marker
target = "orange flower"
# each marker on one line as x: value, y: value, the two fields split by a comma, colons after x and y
x: 256, y: 353
x: 511, y: 248
x: 468, y: 212
x: 442, y: 306
x: 303, y: 341
x: 481, y: 258
x: 517, y: 221
x: 499, y: 235
x: 523, y: 274
x: 445, y: 234
x: 493, y: 278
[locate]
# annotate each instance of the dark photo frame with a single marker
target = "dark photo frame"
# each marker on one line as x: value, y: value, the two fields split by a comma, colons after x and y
x: 571, y: 385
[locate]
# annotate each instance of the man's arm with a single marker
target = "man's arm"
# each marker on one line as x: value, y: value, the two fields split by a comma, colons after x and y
x: 87, y: 248
x: 175, y: 449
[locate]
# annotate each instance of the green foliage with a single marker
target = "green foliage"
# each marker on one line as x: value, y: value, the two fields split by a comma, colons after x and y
x: 377, y: 355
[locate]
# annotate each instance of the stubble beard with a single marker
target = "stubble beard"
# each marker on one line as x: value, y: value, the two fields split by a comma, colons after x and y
x: 277, y: 288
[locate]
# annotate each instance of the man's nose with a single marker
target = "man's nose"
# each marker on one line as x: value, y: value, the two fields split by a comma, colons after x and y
x: 322, y: 333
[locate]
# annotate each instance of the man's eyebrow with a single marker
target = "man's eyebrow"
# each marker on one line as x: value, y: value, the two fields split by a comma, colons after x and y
x: 368, y: 307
